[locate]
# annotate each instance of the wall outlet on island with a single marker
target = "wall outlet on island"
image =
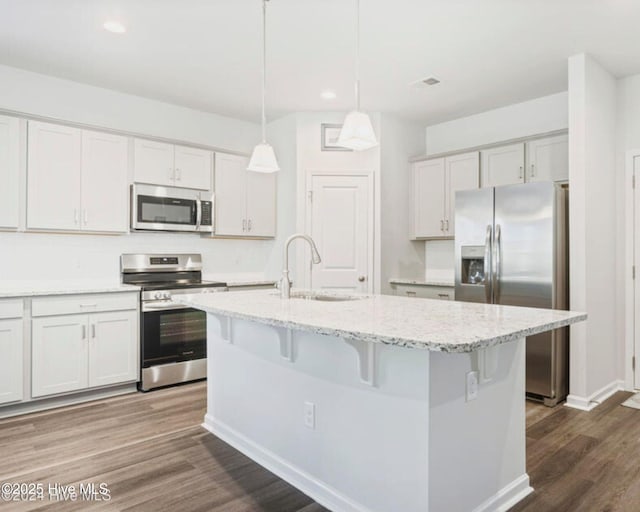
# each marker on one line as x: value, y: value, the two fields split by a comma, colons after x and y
x: 310, y: 415
x: 472, y: 386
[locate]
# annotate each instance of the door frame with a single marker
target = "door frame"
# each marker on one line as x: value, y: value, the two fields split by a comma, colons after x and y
x: 302, y: 251
x: 629, y: 255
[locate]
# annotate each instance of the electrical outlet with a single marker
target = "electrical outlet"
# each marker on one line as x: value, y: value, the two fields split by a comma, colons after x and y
x: 310, y: 415
x: 472, y: 386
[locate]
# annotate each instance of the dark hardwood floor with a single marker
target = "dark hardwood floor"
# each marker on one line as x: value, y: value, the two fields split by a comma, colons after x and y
x: 153, y: 455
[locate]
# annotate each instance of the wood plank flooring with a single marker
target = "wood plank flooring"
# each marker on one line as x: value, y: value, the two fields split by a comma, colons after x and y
x: 154, y: 456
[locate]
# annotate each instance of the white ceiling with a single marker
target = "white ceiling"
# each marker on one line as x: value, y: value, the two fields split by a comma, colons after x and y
x: 205, y: 54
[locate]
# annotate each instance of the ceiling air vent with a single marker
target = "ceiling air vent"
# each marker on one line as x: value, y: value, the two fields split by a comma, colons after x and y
x: 425, y: 82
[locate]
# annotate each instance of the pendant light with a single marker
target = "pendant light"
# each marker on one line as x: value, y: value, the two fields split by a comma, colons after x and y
x: 263, y: 158
x: 357, y: 132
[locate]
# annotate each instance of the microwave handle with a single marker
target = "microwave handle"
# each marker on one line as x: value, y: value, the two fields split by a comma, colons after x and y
x: 198, y: 214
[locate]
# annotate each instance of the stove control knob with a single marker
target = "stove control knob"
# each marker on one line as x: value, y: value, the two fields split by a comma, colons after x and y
x: 166, y: 295
x: 157, y: 295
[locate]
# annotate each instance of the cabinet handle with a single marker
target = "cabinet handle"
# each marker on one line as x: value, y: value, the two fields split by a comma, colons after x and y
x: 447, y: 225
x: 533, y: 170
x: 86, y: 217
x: 443, y: 296
x: 75, y: 216
x: 441, y: 225
x: 88, y: 305
x: 244, y: 224
x: 84, y: 332
x: 178, y: 174
x: 521, y: 172
x: 249, y: 225
x: 410, y: 294
x: 93, y: 330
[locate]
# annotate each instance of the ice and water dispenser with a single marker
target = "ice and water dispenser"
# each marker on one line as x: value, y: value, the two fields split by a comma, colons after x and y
x: 473, y: 264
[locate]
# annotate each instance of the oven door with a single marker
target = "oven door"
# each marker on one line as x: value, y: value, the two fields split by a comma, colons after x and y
x: 172, y: 333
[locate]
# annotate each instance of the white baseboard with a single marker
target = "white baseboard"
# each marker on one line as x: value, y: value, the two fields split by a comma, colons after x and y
x: 508, y: 496
x: 306, y: 483
x: 592, y: 401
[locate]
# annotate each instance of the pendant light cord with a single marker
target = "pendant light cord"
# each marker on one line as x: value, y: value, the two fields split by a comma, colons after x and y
x: 264, y: 69
x: 358, y: 55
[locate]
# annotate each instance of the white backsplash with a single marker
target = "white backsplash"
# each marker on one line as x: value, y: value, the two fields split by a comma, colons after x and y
x: 439, y: 260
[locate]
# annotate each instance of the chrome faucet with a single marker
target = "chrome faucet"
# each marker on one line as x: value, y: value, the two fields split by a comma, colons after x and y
x: 285, y: 282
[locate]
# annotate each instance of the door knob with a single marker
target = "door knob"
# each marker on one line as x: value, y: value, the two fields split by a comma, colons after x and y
x: 361, y: 279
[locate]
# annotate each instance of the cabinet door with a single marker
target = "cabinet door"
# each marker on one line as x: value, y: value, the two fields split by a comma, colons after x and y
x: 230, y: 195
x: 11, y: 362
x: 153, y: 162
x: 261, y: 204
x: 9, y: 171
x: 53, y: 190
x: 193, y: 168
x: 503, y: 165
x: 428, y: 198
x: 104, y: 182
x: 59, y: 354
x: 462, y: 173
x: 548, y: 159
x: 113, y: 348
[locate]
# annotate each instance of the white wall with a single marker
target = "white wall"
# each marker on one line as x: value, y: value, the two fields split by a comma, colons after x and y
x: 40, y: 255
x: 311, y: 158
x: 533, y: 117
x: 595, y: 345
x: 400, y: 257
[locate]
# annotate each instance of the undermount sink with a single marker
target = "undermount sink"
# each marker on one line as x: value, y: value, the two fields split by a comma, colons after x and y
x: 323, y: 297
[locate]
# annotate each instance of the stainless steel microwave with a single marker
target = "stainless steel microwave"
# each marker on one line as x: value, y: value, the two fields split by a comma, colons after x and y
x: 156, y: 208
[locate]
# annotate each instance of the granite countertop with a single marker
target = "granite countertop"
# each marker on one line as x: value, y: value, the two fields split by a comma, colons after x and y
x: 422, y: 282
x: 446, y: 326
x: 32, y: 288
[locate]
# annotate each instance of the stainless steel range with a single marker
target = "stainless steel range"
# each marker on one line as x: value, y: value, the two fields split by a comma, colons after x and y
x: 173, y: 337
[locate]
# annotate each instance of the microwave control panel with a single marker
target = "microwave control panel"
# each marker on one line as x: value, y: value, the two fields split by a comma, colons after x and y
x: 206, y: 213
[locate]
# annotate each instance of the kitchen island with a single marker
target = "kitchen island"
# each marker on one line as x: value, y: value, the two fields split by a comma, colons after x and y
x: 373, y: 404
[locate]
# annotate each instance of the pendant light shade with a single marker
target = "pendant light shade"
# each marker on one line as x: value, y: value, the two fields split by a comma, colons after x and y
x: 357, y: 131
x: 263, y: 158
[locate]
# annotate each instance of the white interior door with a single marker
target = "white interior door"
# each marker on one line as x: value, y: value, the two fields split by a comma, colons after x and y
x: 636, y: 283
x: 341, y: 225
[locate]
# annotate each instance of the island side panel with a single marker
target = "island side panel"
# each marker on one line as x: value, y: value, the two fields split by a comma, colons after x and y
x: 478, y: 448
x: 369, y: 448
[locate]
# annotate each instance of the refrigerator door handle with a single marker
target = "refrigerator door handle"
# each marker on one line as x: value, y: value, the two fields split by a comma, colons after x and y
x: 496, y: 260
x: 487, y: 265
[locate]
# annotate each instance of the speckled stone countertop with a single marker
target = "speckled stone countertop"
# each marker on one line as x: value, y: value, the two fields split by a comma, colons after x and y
x: 437, y: 325
x: 422, y: 282
x: 62, y: 287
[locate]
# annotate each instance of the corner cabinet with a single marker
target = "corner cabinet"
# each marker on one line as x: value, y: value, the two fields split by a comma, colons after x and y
x: 77, y: 179
x: 12, y: 350
x: 159, y: 163
x: 83, y: 341
x: 9, y: 171
x: 245, y: 201
x: 544, y: 159
x: 435, y: 183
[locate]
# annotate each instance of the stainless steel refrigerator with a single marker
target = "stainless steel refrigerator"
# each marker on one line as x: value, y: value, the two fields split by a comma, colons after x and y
x: 511, y: 247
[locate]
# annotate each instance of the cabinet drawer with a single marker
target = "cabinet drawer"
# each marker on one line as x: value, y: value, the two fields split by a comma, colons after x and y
x: 425, y: 291
x: 11, y: 309
x: 74, y: 304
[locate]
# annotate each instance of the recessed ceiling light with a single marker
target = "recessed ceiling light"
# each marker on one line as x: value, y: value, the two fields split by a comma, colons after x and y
x: 114, y: 26
x: 328, y: 95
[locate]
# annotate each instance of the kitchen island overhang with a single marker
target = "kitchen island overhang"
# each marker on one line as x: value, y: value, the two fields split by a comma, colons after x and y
x: 362, y: 404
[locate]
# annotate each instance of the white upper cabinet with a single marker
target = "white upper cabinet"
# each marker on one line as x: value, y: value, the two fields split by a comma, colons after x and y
x: 54, y: 169
x: 503, y: 165
x: 428, y: 198
x: 548, y: 159
x: 245, y: 201
x: 159, y: 163
x: 9, y: 171
x: 76, y: 179
x: 435, y: 183
x: 104, y: 189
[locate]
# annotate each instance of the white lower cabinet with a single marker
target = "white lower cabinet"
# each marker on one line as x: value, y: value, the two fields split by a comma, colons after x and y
x: 72, y: 352
x: 11, y: 361
x: 424, y: 291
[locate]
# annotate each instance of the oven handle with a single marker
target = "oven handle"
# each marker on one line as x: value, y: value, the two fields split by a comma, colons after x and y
x: 163, y: 307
